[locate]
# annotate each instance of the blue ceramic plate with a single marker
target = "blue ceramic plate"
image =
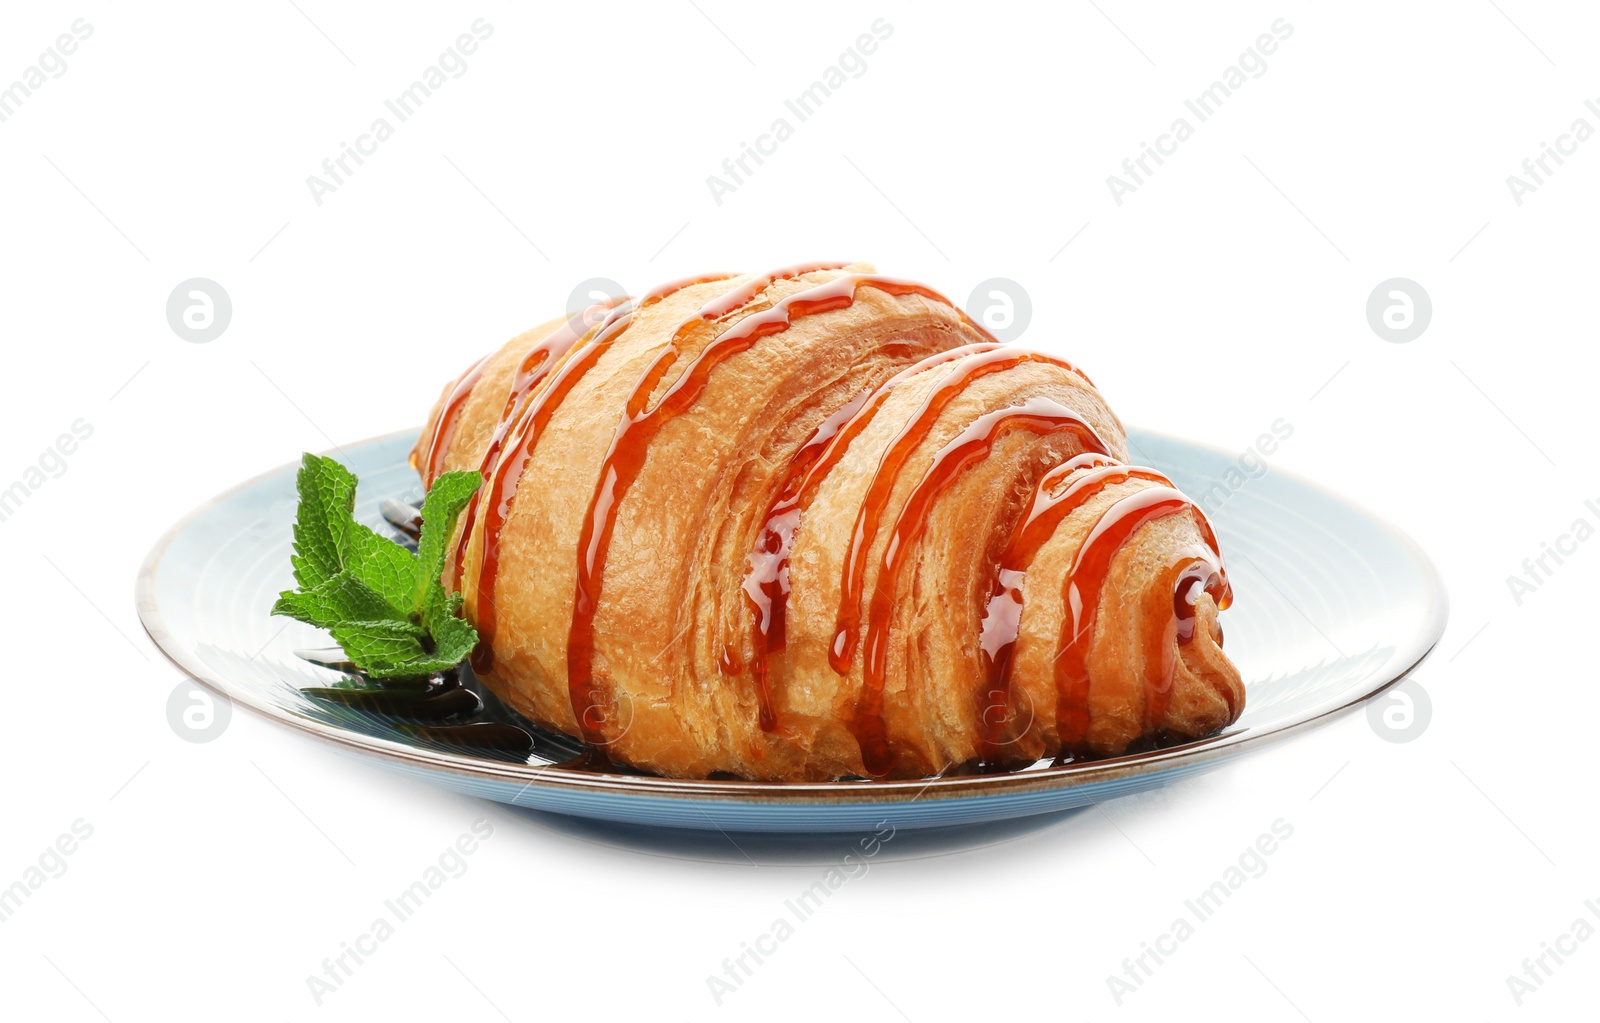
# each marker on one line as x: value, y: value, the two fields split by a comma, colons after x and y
x: 1331, y: 606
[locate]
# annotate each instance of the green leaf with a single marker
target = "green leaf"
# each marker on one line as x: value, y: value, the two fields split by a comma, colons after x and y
x: 388, y: 649
x: 396, y: 650
x: 453, y: 640
x: 327, y: 498
x: 382, y: 564
x: 385, y: 606
x: 343, y: 598
x: 446, y: 498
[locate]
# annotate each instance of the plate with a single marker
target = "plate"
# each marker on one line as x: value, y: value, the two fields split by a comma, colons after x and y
x: 1332, y: 605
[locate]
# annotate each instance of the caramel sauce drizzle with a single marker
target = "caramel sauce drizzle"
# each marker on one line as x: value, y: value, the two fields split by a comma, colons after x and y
x: 1039, y: 416
x: 1082, y: 592
x: 1198, y: 571
x: 554, y: 365
x: 625, y: 460
x: 963, y: 375
x: 540, y: 359
x: 640, y: 425
x: 536, y: 413
x: 1059, y: 493
x: 766, y: 580
x: 444, y: 427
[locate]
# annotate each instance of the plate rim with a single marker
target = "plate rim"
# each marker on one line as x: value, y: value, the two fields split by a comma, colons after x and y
x: 773, y: 793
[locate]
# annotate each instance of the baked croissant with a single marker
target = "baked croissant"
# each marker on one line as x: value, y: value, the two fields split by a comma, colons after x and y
x: 816, y: 524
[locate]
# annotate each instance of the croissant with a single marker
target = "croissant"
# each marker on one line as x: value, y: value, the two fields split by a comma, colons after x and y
x: 816, y: 524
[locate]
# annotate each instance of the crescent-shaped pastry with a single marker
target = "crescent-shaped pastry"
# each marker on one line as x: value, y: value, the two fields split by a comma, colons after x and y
x: 816, y: 524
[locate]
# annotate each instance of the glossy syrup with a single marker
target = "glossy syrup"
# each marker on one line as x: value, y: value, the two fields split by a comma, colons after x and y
x: 630, y: 445
x: 1038, y: 416
x: 1082, y: 592
x: 1059, y: 493
x: 438, y: 708
x: 962, y: 376
x: 542, y: 357
x: 501, y: 487
x: 766, y: 580
x: 444, y: 427
x: 554, y: 366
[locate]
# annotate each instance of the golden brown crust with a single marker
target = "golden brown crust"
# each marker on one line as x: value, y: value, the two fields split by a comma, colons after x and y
x: 672, y: 617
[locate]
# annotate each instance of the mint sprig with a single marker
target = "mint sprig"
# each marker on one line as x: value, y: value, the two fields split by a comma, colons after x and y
x: 384, y: 605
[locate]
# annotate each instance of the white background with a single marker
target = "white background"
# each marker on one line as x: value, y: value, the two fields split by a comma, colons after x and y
x: 1226, y: 292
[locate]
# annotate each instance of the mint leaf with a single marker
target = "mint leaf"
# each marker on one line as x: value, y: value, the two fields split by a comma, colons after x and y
x: 382, y: 564
x: 453, y: 640
x: 343, y: 598
x: 388, y: 649
x: 327, y: 498
x: 385, y: 606
x: 446, y: 498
